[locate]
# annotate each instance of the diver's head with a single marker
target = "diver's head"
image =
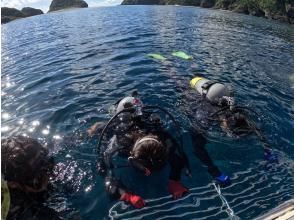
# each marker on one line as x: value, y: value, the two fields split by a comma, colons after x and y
x: 25, y: 164
x: 236, y: 123
x: 240, y: 120
x: 133, y: 113
x: 227, y: 101
x: 130, y: 102
x: 150, y: 152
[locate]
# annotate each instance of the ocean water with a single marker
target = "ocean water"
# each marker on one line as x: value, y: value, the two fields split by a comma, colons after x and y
x: 62, y: 71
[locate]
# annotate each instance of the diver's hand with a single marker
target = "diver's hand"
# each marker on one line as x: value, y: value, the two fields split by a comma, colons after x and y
x: 176, y: 189
x: 98, y: 126
x: 147, y: 172
x: 223, y: 180
x: 135, y: 200
x: 270, y: 156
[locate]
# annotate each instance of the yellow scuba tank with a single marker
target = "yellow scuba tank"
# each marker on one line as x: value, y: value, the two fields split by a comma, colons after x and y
x: 212, y: 90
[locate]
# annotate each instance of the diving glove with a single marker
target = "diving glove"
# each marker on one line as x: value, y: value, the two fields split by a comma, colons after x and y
x: 223, y: 180
x: 135, y: 200
x: 176, y: 189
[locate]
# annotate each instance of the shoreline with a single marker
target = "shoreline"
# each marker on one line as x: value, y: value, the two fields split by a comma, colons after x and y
x: 280, y: 12
x: 280, y: 18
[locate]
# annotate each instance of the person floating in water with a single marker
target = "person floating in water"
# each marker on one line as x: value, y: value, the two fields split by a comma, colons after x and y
x: 138, y: 135
x: 233, y: 119
x: 26, y: 167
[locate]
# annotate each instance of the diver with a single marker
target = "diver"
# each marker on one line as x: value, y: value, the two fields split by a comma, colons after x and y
x: 26, y: 168
x: 219, y: 103
x: 135, y: 132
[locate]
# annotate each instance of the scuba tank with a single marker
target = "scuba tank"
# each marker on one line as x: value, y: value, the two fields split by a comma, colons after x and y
x: 210, y: 89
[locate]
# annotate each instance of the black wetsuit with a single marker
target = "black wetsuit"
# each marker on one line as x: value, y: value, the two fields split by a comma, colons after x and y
x: 29, y: 206
x: 199, y: 142
x: 122, y: 142
x: 237, y: 125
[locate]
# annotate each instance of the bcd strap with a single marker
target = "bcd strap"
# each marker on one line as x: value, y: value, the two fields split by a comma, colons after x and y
x: 205, y: 87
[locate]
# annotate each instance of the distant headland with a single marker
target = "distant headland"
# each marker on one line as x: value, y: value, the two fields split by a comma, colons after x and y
x: 10, y: 14
x: 57, y: 5
x: 273, y: 9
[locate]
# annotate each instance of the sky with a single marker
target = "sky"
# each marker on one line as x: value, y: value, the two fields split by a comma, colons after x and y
x: 44, y: 4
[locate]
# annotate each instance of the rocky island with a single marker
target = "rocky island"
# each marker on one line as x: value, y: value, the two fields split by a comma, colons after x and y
x: 272, y: 9
x: 57, y: 5
x: 10, y: 14
x: 28, y: 11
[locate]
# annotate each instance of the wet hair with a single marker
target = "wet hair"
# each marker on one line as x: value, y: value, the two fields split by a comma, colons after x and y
x: 150, y: 151
x: 24, y: 160
x: 238, y: 124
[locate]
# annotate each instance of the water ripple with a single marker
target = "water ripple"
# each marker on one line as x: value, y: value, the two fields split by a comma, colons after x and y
x: 62, y: 71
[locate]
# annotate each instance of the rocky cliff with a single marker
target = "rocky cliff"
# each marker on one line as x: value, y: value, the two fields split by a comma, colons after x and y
x: 10, y: 14
x: 28, y: 11
x: 65, y: 4
x: 272, y: 9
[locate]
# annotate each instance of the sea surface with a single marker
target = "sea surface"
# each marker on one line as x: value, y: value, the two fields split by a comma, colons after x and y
x: 62, y: 71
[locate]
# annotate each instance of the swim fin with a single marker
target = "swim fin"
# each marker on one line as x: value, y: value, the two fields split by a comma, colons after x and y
x: 182, y: 55
x: 156, y: 56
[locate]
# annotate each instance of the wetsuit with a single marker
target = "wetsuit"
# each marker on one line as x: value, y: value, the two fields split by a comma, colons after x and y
x: 199, y: 142
x: 29, y: 206
x: 234, y: 122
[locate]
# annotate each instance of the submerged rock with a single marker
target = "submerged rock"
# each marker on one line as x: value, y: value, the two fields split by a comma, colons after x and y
x: 28, y: 11
x: 57, y: 5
